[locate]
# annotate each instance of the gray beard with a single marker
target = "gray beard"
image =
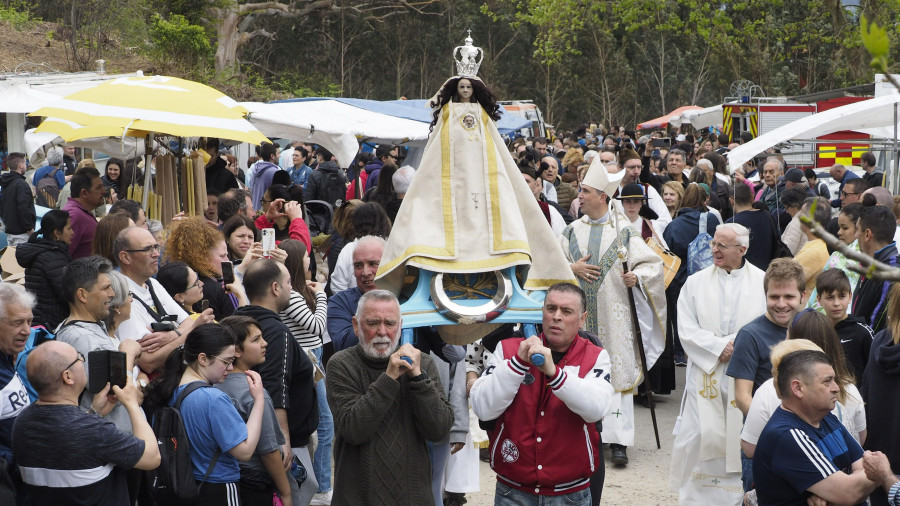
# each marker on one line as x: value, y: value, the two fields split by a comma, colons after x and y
x: 370, y: 351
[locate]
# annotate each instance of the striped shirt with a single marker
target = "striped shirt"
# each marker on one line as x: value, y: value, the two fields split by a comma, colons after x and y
x: 306, y: 326
x: 792, y: 456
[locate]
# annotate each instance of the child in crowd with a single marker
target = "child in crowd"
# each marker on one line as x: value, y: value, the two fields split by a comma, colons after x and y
x: 264, y: 474
x: 833, y: 295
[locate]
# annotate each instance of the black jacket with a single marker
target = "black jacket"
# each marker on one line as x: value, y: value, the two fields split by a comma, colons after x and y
x: 856, y: 340
x: 881, y: 392
x: 317, y: 184
x: 870, y: 299
x: 219, y: 300
x: 44, y: 262
x: 287, y: 374
x: 16, y: 203
x: 218, y: 178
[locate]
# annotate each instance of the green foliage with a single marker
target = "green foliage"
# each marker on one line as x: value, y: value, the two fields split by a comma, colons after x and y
x: 177, y: 42
x: 875, y: 39
x: 302, y: 85
x: 18, y: 15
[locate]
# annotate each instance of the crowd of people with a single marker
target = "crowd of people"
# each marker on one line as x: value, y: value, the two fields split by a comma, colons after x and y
x: 790, y: 348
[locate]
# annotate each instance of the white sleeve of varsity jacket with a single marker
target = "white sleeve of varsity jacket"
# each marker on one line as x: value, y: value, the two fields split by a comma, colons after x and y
x: 589, y: 397
x: 495, y: 390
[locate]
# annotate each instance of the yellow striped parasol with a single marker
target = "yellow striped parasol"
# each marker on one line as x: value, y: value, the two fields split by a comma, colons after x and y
x: 136, y: 106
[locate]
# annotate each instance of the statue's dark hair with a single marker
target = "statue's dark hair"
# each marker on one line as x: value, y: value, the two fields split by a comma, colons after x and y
x: 482, y: 94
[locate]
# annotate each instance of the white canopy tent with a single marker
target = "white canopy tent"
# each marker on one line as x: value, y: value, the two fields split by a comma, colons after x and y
x: 876, y: 117
x: 319, y: 122
x: 700, y: 118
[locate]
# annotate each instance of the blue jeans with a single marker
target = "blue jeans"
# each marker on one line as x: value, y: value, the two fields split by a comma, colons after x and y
x: 322, y: 459
x: 746, y: 472
x: 508, y: 496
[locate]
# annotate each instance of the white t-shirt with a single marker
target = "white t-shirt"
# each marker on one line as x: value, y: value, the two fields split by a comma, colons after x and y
x: 766, y: 401
x: 138, y: 325
x: 342, y: 278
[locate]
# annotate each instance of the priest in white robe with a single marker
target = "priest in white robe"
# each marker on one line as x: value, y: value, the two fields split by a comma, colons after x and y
x: 714, y: 304
x: 595, y: 245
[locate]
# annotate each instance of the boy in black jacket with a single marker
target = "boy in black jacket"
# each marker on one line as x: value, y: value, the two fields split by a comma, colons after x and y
x: 833, y: 289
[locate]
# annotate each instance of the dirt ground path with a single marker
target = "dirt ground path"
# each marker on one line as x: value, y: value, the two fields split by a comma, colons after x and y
x: 645, y: 481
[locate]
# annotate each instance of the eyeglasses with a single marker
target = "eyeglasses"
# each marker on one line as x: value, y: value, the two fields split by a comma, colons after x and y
x: 79, y: 358
x: 720, y: 246
x: 195, y: 285
x: 148, y: 249
x: 844, y: 194
x: 227, y: 362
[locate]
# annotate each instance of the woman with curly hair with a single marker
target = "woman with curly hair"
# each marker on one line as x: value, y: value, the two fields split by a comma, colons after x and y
x: 203, y: 248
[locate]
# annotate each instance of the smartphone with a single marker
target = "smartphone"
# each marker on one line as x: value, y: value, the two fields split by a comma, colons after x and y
x: 106, y: 366
x: 227, y: 274
x: 662, y: 143
x: 204, y: 304
x: 268, y: 241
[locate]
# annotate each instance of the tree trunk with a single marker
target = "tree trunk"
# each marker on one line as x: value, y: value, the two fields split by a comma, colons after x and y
x: 228, y: 38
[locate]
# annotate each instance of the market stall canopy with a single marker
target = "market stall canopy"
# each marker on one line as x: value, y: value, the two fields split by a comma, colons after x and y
x: 700, y: 118
x: 132, y: 106
x: 331, y: 119
x: 665, y: 119
x: 23, y: 99
x: 872, y: 117
x: 125, y: 148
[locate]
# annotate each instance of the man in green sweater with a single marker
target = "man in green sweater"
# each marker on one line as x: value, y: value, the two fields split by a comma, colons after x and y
x: 387, y: 402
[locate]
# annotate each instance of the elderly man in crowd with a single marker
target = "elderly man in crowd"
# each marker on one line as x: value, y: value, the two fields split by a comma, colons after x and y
x: 387, y: 403
x: 542, y: 414
x: 15, y: 326
x: 805, y: 450
x: 342, y: 306
x: 70, y: 456
x: 714, y: 304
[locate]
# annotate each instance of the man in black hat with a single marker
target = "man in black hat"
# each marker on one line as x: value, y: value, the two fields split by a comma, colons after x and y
x: 795, y: 178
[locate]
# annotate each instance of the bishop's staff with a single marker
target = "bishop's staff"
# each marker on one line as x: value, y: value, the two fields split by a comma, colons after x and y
x: 622, y: 253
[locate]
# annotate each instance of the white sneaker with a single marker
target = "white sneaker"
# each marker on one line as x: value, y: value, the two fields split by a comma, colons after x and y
x: 322, y: 498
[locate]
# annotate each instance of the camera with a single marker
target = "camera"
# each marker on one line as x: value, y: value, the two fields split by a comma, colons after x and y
x: 163, y: 326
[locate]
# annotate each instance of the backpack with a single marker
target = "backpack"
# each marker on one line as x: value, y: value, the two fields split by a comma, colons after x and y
x: 47, y: 187
x: 700, y: 254
x: 173, y: 483
x: 38, y: 336
x: 333, y: 189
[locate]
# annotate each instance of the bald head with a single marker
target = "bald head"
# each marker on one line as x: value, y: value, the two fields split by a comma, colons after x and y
x: 45, y: 366
x: 882, y: 196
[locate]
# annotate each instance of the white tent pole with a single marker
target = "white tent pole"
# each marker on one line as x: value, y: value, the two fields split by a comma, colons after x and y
x: 148, y: 155
x: 895, y: 184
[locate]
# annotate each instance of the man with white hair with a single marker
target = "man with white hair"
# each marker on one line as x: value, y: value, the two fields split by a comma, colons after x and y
x: 15, y: 326
x: 387, y: 402
x: 54, y: 162
x: 401, y: 180
x: 714, y: 304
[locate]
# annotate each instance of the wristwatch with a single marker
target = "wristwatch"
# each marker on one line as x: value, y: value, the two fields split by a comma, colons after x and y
x: 420, y: 377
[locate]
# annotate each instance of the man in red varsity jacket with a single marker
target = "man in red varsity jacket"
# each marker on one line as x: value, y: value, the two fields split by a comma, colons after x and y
x: 544, y: 441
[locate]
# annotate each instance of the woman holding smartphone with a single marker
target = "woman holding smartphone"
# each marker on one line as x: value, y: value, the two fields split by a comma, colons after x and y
x: 219, y: 436
x: 203, y: 249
